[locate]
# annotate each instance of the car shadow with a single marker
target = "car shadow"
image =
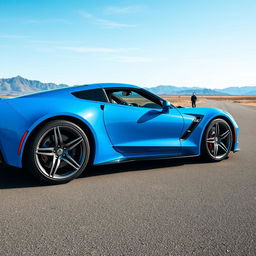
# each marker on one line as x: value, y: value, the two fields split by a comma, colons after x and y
x: 138, y: 166
x: 11, y: 177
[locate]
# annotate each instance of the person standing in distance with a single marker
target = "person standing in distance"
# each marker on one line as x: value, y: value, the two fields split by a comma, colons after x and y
x: 193, y: 100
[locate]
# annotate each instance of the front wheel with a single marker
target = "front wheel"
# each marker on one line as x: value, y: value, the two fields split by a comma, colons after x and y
x: 217, y: 141
x: 58, y: 153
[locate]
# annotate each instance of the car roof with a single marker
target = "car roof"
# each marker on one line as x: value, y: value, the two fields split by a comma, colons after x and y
x: 67, y: 90
x: 97, y: 86
x: 104, y: 85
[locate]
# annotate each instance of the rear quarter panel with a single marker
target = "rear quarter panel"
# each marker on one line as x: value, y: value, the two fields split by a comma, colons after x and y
x: 26, y: 113
x: 12, y: 127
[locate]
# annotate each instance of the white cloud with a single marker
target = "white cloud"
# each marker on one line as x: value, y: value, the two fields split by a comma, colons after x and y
x: 48, y: 42
x: 133, y: 59
x: 112, y: 53
x: 123, y: 9
x: 47, y: 21
x: 104, y: 22
x: 92, y: 49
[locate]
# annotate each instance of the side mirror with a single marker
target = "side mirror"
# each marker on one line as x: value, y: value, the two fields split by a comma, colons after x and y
x: 166, y: 106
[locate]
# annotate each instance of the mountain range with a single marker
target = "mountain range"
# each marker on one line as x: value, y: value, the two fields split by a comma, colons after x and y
x: 174, y: 90
x: 20, y: 86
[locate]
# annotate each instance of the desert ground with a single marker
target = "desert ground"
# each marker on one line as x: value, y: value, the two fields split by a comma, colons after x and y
x: 184, y: 100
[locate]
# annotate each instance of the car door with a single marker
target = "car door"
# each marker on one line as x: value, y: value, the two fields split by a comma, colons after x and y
x: 136, y: 130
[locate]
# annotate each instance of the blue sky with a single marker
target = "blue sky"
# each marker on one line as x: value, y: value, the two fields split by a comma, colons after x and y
x: 171, y: 42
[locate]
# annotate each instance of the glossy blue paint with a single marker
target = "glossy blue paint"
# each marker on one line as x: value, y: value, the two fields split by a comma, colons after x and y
x: 134, y: 130
x: 120, y: 132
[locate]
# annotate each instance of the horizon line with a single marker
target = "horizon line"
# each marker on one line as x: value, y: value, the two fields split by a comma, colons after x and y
x: 186, y: 86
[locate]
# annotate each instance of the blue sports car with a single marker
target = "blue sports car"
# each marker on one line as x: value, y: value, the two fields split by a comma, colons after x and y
x: 56, y: 134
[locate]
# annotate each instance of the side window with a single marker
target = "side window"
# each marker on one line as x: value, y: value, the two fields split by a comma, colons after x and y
x: 131, y: 98
x: 94, y: 94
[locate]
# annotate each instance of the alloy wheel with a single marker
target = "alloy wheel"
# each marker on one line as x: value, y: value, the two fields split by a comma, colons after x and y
x: 60, y: 152
x: 219, y: 140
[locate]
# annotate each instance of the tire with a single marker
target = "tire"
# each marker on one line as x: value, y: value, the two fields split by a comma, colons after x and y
x: 217, y: 140
x: 58, y: 152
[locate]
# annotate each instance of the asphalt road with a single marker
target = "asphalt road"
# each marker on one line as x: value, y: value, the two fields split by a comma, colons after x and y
x: 174, y: 207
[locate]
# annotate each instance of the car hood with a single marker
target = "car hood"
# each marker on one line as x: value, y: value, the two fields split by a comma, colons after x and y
x: 200, y: 111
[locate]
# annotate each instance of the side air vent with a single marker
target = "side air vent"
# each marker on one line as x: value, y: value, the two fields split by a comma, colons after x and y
x: 192, y: 127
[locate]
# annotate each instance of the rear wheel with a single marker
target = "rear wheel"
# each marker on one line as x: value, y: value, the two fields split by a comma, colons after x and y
x: 217, y: 141
x: 58, y: 153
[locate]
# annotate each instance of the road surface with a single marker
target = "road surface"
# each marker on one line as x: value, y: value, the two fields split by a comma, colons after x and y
x: 173, y: 207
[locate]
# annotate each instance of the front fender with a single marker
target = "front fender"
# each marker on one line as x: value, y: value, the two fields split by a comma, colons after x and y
x: 192, y: 145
